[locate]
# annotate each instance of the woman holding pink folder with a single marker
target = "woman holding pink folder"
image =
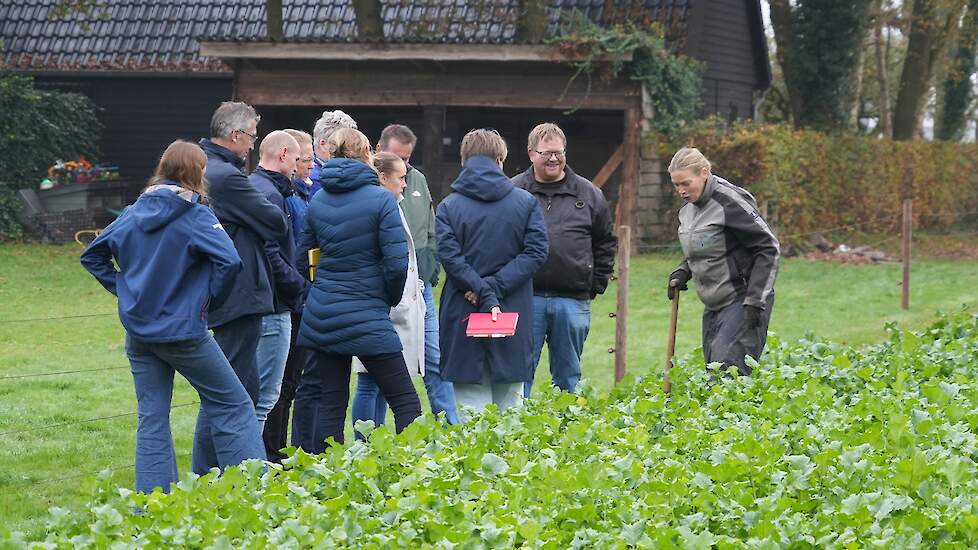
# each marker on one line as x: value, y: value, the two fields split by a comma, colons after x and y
x: 491, y: 240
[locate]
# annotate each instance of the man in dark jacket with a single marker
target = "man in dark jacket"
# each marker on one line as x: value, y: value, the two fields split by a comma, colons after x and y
x: 581, y: 260
x: 420, y: 216
x: 250, y: 220
x: 491, y: 240
x: 279, y: 154
x: 276, y: 430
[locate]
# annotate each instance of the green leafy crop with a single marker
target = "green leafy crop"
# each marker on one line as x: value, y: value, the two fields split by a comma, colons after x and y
x: 825, y: 447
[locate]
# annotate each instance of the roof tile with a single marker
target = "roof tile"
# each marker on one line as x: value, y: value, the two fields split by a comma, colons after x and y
x: 163, y: 34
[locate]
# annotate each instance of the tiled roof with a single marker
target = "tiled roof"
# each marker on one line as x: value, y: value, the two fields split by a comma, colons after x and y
x: 162, y: 35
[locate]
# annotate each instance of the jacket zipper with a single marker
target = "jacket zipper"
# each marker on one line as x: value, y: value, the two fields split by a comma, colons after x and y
x: 550, y: 202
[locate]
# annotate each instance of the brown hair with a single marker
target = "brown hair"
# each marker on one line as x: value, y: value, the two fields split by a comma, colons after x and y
x: 385, y: 162
x: 543, y: 131
x: 399, y: 132
x: 183, y: 163
x: 483, y: 142
x: 350, y: 144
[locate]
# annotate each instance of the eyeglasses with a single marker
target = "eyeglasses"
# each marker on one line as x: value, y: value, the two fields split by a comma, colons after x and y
x: 254, y: 138
x: 305, y: 159
x: 548, y: 154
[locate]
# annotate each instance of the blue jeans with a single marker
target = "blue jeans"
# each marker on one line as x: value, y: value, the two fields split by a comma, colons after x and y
x: 273, y: 352
x: 222, y: 397
x: 564, y: 324
x: 238, y: 340
x: 441, y: 394
x: 368, y: 403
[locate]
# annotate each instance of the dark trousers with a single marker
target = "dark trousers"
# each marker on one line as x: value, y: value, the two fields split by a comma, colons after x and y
x: 239, y: 342
x: 727, y: 340
x: 333, y: 373
x: 277, y: 423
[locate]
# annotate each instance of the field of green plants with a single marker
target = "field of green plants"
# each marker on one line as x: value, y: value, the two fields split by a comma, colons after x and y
x: 827, y: 446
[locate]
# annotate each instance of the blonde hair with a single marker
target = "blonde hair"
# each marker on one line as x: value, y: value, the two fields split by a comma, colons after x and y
x: 300, y: 136
x: 483, y: 142
x: 350, y: 144
x: 689, y: 158
x: 544, y: 131
x: 385, y: 162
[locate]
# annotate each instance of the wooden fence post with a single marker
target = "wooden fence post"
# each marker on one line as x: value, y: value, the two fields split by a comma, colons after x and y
x: 621, y: 317
x: 907, y: 231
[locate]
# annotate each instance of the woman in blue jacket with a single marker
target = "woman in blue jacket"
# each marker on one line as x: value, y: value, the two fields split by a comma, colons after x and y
x: 360, y: 276
x: 175, y: 259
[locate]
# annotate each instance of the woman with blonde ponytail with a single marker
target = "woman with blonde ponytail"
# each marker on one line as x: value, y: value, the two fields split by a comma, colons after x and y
x: 361, y: 275
x: 731, y: 254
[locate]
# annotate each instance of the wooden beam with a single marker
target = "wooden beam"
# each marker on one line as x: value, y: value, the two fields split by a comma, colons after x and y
x: 431, y: 136
x: 392, y: 52
x: 341, y: 85
x: 628, y: 191
x: 608, y: 169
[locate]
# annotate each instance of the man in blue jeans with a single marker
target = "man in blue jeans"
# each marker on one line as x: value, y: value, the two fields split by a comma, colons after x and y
x: 420, y: 215
x: 581, y: 260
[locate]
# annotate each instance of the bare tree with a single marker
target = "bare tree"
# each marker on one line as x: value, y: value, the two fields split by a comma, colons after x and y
x: 931, y: 23
x: 531, y: 22
x: 370, y: 23
x: 273, y: 19
x: 882, y: 72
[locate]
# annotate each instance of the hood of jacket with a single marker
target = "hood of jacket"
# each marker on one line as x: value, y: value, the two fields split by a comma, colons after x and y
x: 212, y: 149
x: 482, y: 179
x: 160, y: 205
x: 341, y: 175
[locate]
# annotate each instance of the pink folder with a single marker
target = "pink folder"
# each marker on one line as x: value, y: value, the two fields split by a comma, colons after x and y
x: 481, y: 325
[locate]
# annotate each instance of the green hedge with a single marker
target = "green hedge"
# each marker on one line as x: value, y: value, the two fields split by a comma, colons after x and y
x: 810, y: 181
x: 38, y: 127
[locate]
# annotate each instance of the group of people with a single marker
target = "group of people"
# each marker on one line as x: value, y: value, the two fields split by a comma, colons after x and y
x: 210, y: 267
x: 211, y: 270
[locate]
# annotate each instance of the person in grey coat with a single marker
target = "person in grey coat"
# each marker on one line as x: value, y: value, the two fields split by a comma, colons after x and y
x: 732, y: 255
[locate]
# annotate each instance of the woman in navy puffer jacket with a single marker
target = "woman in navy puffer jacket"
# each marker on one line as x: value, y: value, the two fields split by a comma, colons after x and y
x: 360, y: 275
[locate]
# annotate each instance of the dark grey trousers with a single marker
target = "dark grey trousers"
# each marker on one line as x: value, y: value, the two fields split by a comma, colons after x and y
x: 727, y: 340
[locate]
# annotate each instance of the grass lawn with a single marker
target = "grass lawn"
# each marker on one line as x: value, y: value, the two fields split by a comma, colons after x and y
x: 55, y: 466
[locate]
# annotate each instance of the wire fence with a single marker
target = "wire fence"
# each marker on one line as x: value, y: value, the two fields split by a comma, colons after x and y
x: 86, y: 421
x: 877, y: 220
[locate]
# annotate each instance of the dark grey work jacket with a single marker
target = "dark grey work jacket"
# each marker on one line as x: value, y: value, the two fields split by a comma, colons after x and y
x: 730, y: 250
x: 582, y: 241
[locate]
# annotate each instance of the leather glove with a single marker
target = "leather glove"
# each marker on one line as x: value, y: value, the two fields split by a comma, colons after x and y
x: 681, y: 276
x: 752, y: 317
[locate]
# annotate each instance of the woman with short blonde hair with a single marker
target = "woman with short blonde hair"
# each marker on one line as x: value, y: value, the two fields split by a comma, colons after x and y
x: 731, y: 254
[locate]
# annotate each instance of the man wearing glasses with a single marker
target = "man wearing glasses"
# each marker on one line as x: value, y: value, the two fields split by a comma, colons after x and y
x: 581, y: 260
x: 251, y: 221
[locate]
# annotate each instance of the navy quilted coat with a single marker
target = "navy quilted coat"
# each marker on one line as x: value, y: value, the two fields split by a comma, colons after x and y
x: 362, y: 265
x: 491, y: 239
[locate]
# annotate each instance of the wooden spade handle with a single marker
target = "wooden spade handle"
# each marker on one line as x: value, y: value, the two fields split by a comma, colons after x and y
x: 671, y: 342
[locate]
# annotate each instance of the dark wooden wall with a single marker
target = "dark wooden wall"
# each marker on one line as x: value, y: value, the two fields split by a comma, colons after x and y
x: 721, y: 37
x: 592, y: 135
x: 142, y: 115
